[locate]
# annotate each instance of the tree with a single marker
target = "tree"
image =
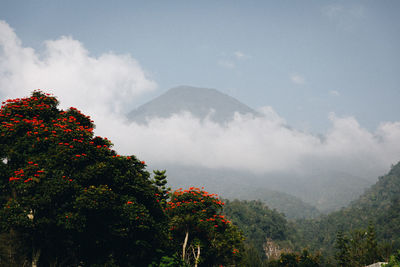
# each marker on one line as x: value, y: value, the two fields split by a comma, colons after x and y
x: 199, y: 230
x: 359, y: 250
x: 252, y: 257
x: 371, y: 246
x: 66, y: 196
x: 309, y: 260
x: 160, y: 180
x: 394, y: 260
x: 342, y: 246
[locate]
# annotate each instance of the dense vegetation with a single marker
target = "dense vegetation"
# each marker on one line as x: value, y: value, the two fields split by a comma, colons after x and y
x: 257, y: 222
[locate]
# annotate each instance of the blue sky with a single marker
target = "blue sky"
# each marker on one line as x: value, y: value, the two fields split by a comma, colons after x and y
x: 303, y: 58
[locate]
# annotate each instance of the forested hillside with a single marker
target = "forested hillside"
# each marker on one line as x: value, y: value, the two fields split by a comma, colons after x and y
x: 378, y: 206
x: 269, y: 236
x: 257, y: 222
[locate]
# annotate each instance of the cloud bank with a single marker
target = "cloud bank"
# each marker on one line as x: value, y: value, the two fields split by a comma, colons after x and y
x: 262, y: 144
x: 107, y: 83
x: 103, y: 87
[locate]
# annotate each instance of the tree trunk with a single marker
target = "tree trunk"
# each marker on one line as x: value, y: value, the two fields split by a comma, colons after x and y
x: 184, y: 245
x: 196, y: 257
x: 35, y: 257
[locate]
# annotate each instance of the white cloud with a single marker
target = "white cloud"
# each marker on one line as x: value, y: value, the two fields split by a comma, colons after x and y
x: 334, y: 93
x: 260, y: 144
x: 346, y: 17
x: 231, y: 60
x: 332, y: 11
x: 297, y: 78
x: 228, y: 64
x: 107, y: 83
x: 337, y: 11
x: 239, y: 55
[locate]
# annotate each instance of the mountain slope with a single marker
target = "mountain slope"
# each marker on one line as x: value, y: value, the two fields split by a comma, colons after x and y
x: 201, y: 102
x: 380, y: 204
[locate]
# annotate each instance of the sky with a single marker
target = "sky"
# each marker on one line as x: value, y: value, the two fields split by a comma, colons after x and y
x: 330, y: 70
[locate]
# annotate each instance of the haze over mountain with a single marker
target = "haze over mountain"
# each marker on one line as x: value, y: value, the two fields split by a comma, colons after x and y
x: 241, y: 185
x: 200, y: 102
x: 327, y: 190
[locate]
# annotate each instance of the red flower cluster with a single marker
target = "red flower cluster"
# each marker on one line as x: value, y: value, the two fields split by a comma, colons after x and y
x: 199, y: 203
x: 31, y: 170
x: 67, y: 178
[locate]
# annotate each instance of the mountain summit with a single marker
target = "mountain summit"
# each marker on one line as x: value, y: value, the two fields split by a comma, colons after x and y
x: 200, y: 102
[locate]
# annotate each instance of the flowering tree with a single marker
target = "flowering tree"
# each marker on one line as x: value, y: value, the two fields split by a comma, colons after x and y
x: 198, y: 228
x: 66, y: 197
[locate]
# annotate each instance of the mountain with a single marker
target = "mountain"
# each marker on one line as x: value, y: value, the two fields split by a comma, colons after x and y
x: 201, y: 102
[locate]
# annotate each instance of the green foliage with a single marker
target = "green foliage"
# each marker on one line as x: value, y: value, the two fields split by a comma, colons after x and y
x: 342, y: 255
x: 252, y: 257
x: 394, y: 260
x: 303, y: 259
x: 360, y: 248
x: 66, y: 196
x: 170, y: 261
